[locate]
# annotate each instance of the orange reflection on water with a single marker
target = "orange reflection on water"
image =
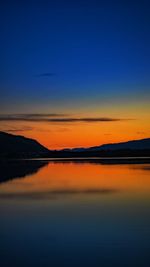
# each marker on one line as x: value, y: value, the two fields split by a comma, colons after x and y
x: 80, y: 177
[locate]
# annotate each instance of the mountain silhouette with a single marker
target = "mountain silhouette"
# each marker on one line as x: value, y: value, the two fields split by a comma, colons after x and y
x: 134, y: 148
x: 14, y: 146
x: 20, y: 146
x: 134, y: 144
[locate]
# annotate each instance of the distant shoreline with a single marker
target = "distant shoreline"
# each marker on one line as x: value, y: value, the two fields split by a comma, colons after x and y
x: 20, y: 147
x: 103, y: 160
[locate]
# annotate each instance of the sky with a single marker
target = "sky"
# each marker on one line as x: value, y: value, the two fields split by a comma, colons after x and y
x: 75, y: 73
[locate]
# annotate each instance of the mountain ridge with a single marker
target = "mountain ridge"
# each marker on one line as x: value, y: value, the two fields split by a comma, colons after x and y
x: 139, y: 144
x: 18, y: 146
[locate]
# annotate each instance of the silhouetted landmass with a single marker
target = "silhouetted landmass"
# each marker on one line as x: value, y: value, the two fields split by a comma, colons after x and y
x: 15, y: 169
x: 135, y: 148
x: 129, y: 145
x: 102, y: 153
x: 13, y: 146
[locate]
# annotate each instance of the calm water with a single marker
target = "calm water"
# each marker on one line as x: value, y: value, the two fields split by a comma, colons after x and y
x: 83, y: 213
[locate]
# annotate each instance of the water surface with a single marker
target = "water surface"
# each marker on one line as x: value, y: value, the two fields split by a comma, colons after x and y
x: 74, y: 213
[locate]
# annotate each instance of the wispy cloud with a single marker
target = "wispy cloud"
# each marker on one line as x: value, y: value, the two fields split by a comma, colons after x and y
x: 57, y: 118
x: 46, y: 74
x: 17, y: 129
x: 140, y: 132
x: 30, y: 116
x: 39, y: 115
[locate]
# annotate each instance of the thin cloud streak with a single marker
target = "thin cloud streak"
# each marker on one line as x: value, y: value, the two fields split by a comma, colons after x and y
x: 57, y: 118
x: 46, y: 74
x: 22, y: 129
x: 28, y: 115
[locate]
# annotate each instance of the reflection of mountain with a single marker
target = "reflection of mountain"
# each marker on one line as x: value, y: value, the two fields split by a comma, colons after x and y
x: 19, y: 169
x: 102, y: 161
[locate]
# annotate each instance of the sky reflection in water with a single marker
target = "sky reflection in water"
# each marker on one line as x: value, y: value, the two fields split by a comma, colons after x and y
x: 75, y: 214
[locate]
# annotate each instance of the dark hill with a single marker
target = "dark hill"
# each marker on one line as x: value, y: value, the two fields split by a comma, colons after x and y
x: 135, y: 144
x: 13, y: 146
x: 19, y: 146
x: 135, y: 148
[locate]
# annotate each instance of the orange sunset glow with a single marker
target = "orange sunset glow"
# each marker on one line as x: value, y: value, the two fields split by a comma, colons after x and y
x: 56, y: 135
x: 75, y: 133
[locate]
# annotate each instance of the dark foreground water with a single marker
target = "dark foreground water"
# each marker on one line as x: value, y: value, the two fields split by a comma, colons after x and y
x: 83, y: 213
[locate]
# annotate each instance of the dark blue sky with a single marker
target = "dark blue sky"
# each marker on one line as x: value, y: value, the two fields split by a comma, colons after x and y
x: 71, y: 54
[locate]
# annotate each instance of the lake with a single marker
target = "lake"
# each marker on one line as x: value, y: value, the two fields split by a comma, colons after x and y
x: 73, y: 213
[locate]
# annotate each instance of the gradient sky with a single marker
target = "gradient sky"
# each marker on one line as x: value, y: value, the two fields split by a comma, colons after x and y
x: 79, y: 69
